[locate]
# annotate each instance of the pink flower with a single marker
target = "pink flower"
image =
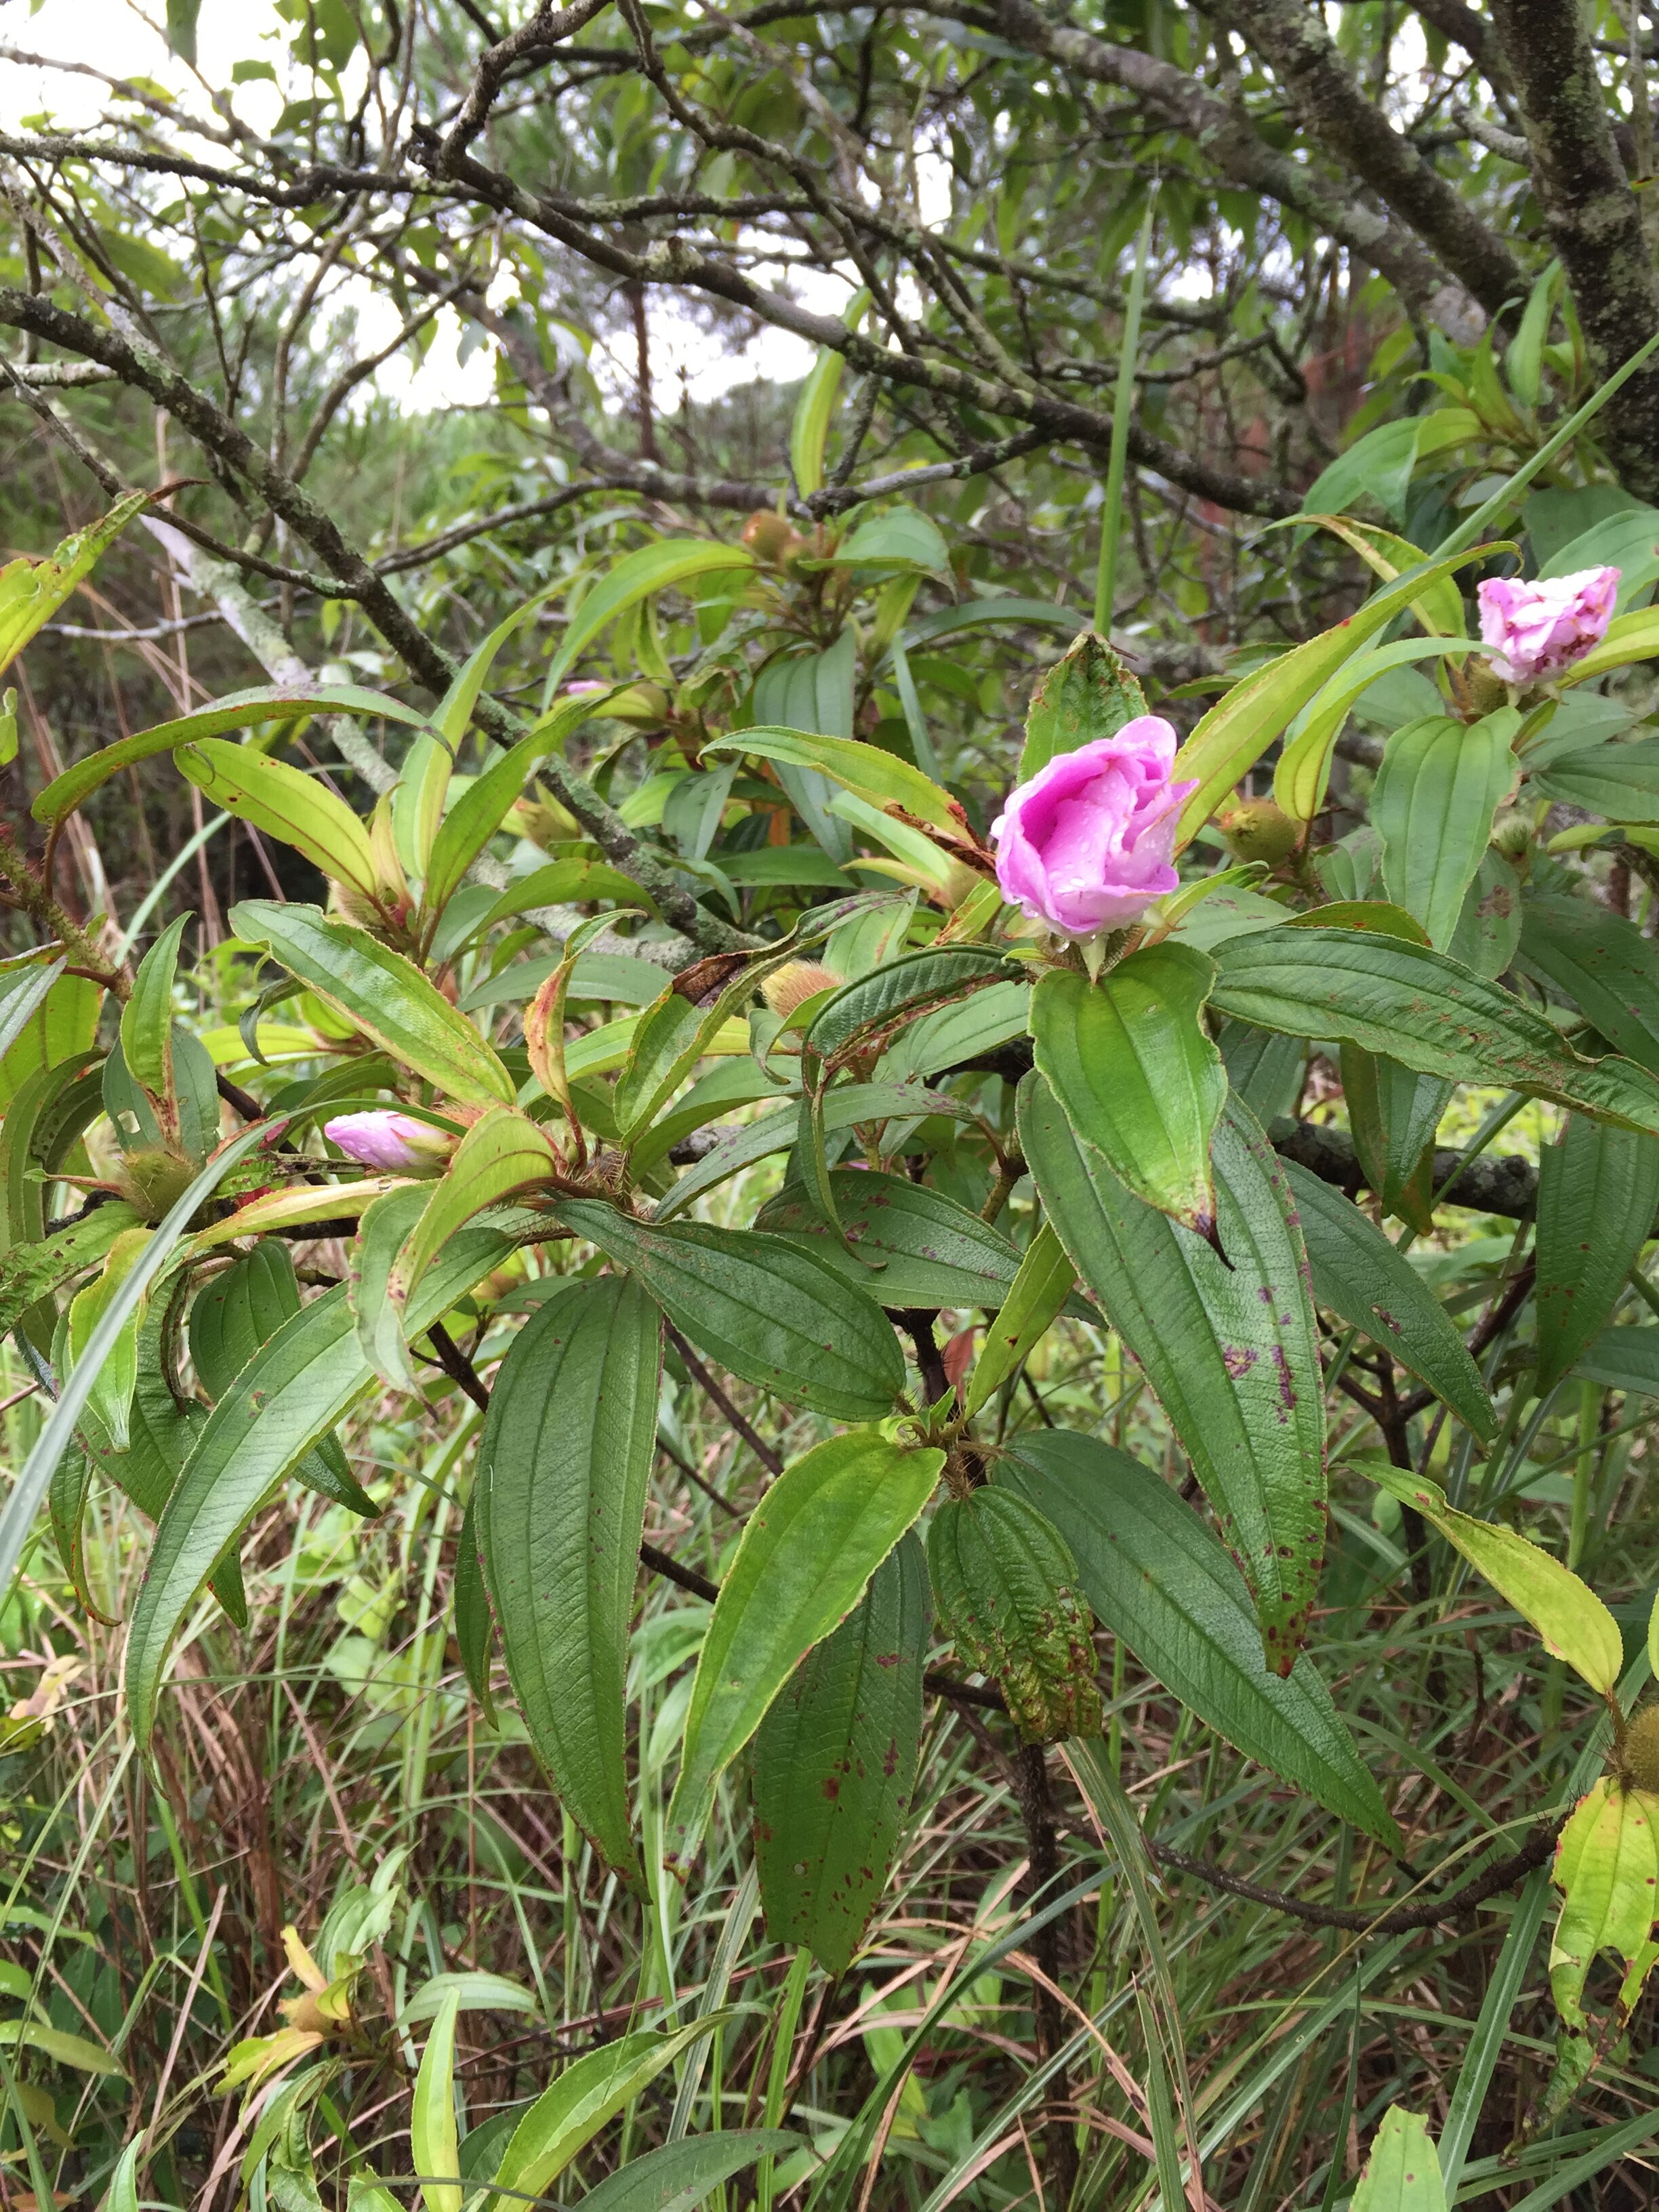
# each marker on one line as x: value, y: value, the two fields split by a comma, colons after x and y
x: 1085, y: 845
x: 1537, y: 630
x: 396, y: 1143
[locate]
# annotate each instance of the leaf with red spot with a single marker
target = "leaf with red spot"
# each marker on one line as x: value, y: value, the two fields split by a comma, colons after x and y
x: 835, y: 1762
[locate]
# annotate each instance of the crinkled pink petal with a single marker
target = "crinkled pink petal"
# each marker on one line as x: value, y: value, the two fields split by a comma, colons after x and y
x: 1086, y: 844
x: 1538, y: 630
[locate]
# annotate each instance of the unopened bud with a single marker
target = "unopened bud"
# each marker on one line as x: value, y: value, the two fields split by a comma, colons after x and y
x: 154, y: 1180
x: 541, y: 820
x: 771, y: 538
x: 788, y: 990
x: 1515, y: 837
x: 1259, y: 830
x: 395, y: 1143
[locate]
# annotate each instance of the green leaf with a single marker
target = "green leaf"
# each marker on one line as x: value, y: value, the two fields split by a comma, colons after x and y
x: 910, y: 1246
x: 1618, y: 782
x: 147, y: 1018
x: 1359, y: 1277
x: 809, y: 427
x: 1156, y: 1576
x: 1440, y: 784
x: 285, y: 802
x: 566, y: 882
x: 835, y: 1762
x: 884, y: 779
x: 1415, y: 1006
x: 112, y: 1390
x: 1034, y: 1300
x: 384, y: 995
x: 302, y: 1385
x: 564, y: 1468
x: 763, y: 1308
x: 1607, y: 1864
x: 234, y: 1316
x: 1129, y: 1061
x: 503, y: 1152
x: 1573, y: 1622
x: 61, y: 2047
x: 30, y: 591
x: 1602, y: 963
x: 238, y: 710
x: 1377, y: 465
x: 1230, y: 1347
x: 1598, y: 1192
x: 29, y: 1272
x: 669, y: 562
x: 432, y: 2140
x: 1489, y: 928
x: 805, y: 1554
x: 181, y: 20
x: 25, y: 995
x: 747, y: 1142
x: 472, y: 1991
x: 1302, y: 777
x: 31, y: 1485
x: 1402, y: 2173
x: 864, y: 1015
x: 677, y: 1028
x: 385, y: 1225
x: 1003, y: 1580
x: 162, y: 1436
x: 589, y: 2092
x: 474, y: 1623
x: 1089, y: 693
x: 680, y: 2175
x: 122, y: 2193
x: 478, y: 814
x: 898, y: 538
x: 1394, y: 1115
x: 1624, y: 1359
x: 1238, y: 729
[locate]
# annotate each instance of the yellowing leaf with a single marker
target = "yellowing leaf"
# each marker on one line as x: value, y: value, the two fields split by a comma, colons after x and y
x: 1572, y: 1621
x: 283, y: 800
x: 1607, y: 1865
x: 31, y: 592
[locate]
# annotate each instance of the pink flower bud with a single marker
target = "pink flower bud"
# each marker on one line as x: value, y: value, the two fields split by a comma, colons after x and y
x: 1537, y: 630
x: 396, y: 1143
x: 1085, y: 846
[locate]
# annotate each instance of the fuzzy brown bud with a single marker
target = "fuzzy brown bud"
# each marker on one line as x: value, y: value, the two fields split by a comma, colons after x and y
x: 788, y: 990
x: 771, y: 538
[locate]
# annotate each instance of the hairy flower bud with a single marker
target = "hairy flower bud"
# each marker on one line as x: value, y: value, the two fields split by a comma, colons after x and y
x: 395, y: 1143
x: 788, y: 989
x: 771, y: 538
x: 1256, y: 830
